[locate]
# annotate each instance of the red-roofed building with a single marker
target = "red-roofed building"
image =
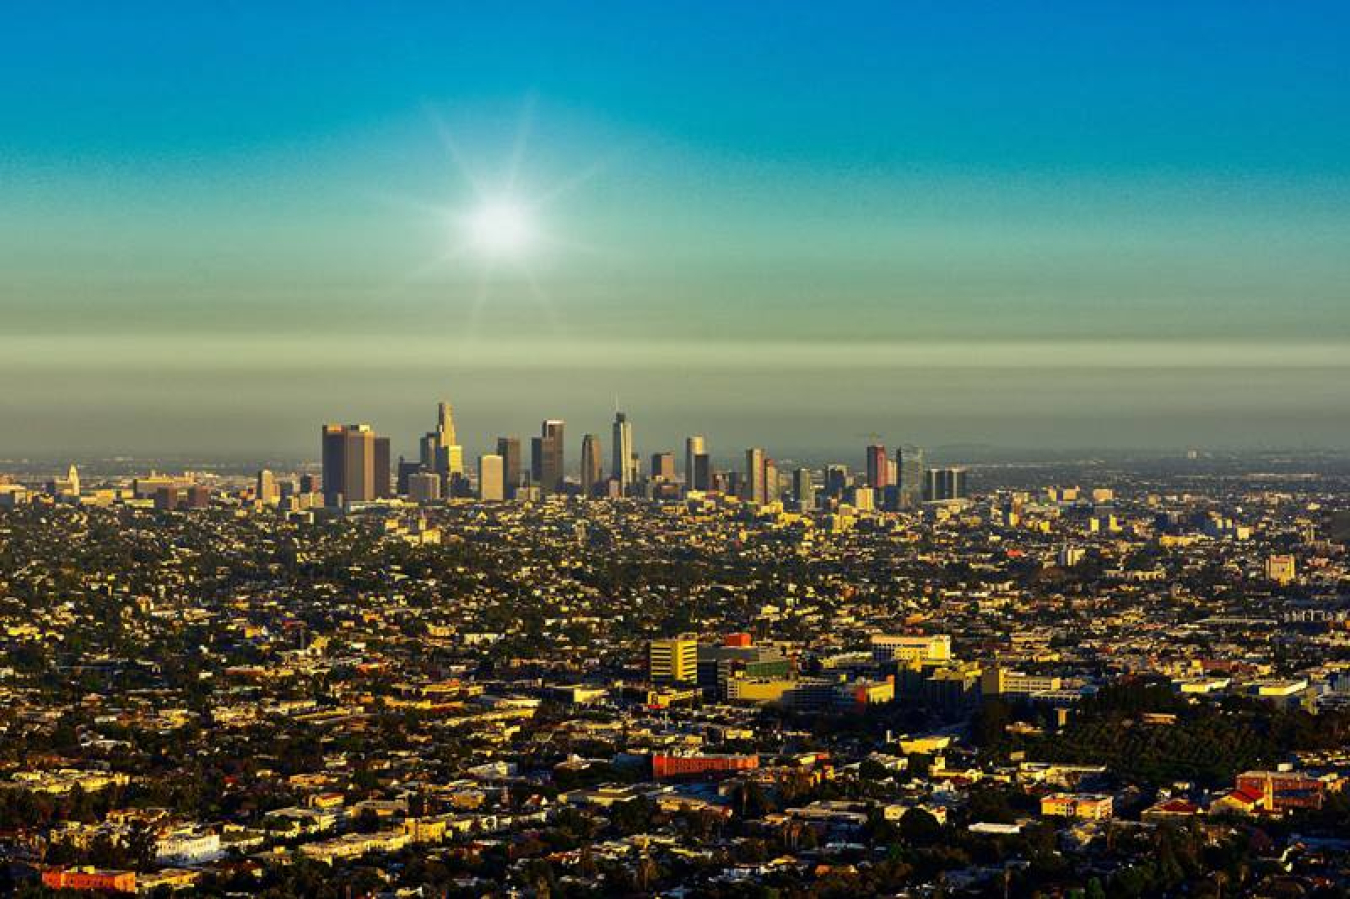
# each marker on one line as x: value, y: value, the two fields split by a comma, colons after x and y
x: 1170, y: 810
x: 89, y: 879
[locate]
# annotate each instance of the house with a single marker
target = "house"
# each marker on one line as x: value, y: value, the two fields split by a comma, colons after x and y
x: 1170, y: 810
x: 1084, y: 806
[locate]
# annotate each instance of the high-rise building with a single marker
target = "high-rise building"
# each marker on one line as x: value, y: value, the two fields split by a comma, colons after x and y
x: 862, y: 498
x: 591, y: 467
x: 663, y: 466
x: 440, y: 451
x: 265, y: 488
x: 381, y: 484
x: 878, y: 467
x: 836, y: 480
x: 752, y: 486
x: 424, y: 487
x: 703, y: 473
x: 509, y: 449
x: 770, y: 481
x: 405, y: 470
x: 622, y: 449
x: 445, y: 425
x: 673, y: 660
x: 909, y: 461
x: 693, y: 446
x: 944, y: 484
x: 547, y: 456
x: 491, y: 478
x: 804, y: 489
x: 349, y: 464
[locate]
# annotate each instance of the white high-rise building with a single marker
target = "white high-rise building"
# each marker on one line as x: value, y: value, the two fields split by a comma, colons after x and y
x: 622, y: 450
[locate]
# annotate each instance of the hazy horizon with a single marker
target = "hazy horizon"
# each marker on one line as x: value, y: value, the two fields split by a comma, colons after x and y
x: 1021, y: 228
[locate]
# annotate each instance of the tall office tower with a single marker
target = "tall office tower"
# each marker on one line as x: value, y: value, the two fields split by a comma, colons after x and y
x: 944, y: 483
x: 405, y: 470
x: 909, y: 460
x: 591, y: 468
x: 265, y: 490
x: 547, y: 456
x: 703, y: 473
x: 509, y: 449
x: 673, y: 660
x: 770, y: 481
x: 952, y: 483
x: 878, y: 467
x: 450, y: 459
x: 622, y: 449
x: 836, y: 480
x: 381, y: 469
x: 693, y: 446
x: 349, y: 464
x: 752, y: 485
x: 424, y: 487
x: 804, y: 489
x: 445, y: 425
x: 663, y: 466
x: 439, y: 450
x: 426, y: 452
x: 491, y: 478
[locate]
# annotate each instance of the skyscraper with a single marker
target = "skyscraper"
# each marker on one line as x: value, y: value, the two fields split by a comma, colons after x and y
x: 424, y: 487
x: 663, y: 466
x: 591, y: 468
x: 440, y: 451
x: 878, y: 467
x: 622, y: 449
x: 693, y: 447
x: 945, y: 483
x: 909, y: 460
x: 445, y: 424
x: 509, y: 449
x: 804, y: 489
x: 752, y: 487
x: 349, y: 464
x: 491, y: 479
x: 547, y: 456
x: 770, y: 481
x: 703, y: 473
x: 836, y: 480
x: 265, y: 489
x: 380, y: 469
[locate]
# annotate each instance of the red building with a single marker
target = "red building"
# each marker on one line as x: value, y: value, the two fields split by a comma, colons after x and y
x: 666, y: 766
x: 1282, y: 790
x: 89, y: 879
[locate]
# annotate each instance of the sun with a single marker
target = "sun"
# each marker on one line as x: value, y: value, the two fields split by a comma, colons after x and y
x: 502, y: 229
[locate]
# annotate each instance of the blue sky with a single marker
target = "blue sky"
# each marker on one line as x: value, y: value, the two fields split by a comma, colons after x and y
x: 782, y: 185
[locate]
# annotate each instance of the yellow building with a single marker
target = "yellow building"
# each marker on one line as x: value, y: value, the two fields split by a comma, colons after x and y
x: 1084, y: 806
x: 933, y: 648
x: 758, y: 689
x: 673, y: 660
x: 1280, y: 569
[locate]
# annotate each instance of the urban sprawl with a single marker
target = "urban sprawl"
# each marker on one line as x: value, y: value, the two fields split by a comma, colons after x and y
x: 664, y: 677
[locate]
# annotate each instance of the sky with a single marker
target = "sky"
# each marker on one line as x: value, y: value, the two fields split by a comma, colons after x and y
x: 1011, y: 224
